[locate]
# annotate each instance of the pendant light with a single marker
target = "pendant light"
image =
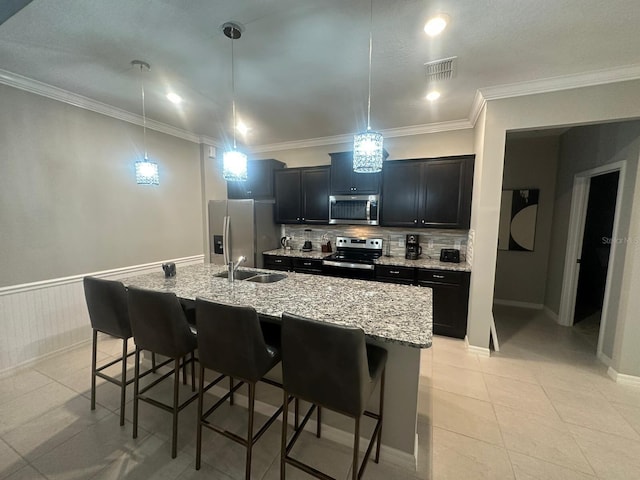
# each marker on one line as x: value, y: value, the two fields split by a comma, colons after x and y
x: 367, y: 146
x: 146, y: 170
x: 234, y: 162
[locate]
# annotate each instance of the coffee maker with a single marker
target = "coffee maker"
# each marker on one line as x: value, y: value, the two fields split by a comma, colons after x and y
x: 412, y: 247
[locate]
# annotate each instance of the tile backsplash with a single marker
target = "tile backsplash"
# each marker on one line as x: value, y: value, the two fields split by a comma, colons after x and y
x: 431, y: 240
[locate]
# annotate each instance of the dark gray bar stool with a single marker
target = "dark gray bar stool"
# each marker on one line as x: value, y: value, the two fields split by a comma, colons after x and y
x: 109, y: 313
x: 159, y: 325
x: 330, y: 366
x: 231, y: 342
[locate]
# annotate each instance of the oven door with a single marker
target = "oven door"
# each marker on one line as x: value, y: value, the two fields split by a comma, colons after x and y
x: 347, y: 270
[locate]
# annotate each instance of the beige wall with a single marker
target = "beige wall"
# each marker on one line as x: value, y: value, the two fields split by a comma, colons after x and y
x: 603, y: 103
x: 69, y: 203
x: 456, y: 142
x: 528, y: 163
x: 582, y: 149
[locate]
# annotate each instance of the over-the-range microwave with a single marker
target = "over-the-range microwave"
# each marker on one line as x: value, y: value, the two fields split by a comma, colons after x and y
x: 354, y: 209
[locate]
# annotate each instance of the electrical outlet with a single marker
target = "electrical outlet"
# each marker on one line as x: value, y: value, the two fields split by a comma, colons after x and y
x: 430, y: 244
x: 401, y: 242
x: 457, y: 244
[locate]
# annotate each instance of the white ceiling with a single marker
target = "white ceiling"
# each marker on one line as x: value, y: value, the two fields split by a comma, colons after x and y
x: 301, y: 65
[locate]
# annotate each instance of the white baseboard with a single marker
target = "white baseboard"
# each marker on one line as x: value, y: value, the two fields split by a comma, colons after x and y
x: 515, y: 303
x: 388, y: 454
x: 623, y: 379
x: 551, y: 314
x: 604, y: 359
x: 481, y: 351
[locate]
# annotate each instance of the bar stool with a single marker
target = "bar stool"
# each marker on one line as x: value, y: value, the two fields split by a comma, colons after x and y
x: 159, y: 325
x: 109, y: 314
x: 330, y: 366
x: 231, y: 342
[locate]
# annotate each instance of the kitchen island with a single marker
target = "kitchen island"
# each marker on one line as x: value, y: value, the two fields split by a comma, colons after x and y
x: 396, y: 317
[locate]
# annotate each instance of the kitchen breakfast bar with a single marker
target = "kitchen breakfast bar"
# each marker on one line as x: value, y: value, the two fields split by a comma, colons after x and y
x: 395, y: 317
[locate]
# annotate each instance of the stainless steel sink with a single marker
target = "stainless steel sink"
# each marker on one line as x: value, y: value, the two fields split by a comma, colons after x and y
x: 238, y: 275
x: 267, y: 278
x: 256, y: 277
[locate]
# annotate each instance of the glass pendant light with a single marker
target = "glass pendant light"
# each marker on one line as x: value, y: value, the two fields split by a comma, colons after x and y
x: 368, y: 153
x: 146, y: 170
x: 234, y: 162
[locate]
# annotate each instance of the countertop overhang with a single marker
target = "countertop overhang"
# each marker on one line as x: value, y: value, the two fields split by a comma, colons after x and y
x: 388, y: 312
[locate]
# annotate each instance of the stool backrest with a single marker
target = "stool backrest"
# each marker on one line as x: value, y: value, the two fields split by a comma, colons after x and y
x: 159, y: 323
x: 107, y: 305
x: 325, y: 363
x: 230, y: 340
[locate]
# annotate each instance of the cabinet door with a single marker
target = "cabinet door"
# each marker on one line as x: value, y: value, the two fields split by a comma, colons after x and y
x: 315, y: 195
x: 446, y: 196
x: 287, y: 194
x: 400, y: 187
x: 259, y: 184
x: 344, y: 181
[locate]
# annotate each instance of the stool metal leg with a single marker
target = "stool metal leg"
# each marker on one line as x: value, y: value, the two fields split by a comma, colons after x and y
x: 252, y: 399
x: 283, y: 437
x: 199, y: 426
x: 123, y: 380
x: 176, y: 385
x: 231, y: 390
x: 356, y: 446
x: 94, y: 358
x: 136, y: 388
x: 380, y: 410
x: 193, y: 372
x: 319, y: 421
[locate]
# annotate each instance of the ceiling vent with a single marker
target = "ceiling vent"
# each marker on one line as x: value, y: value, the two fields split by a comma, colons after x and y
x: 443, y: 69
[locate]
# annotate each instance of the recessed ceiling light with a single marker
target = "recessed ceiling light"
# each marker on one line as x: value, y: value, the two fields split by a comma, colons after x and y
x: 436, y: 25
x: 174, y: 98
x: 432, y: 96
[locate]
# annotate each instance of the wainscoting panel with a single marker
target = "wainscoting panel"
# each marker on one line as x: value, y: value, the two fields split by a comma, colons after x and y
x: 43, y: 318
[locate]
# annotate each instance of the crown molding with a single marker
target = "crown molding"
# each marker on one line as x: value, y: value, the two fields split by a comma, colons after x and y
x: 388, y: 133
x: 49, y: 91
x: 565, y: 82
x: 476, y: 107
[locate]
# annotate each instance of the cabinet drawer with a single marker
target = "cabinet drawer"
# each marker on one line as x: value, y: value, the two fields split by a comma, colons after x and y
x: 307, y: 265
x: 391, y: 273
x: 439, y: 276
x: 273, y: 262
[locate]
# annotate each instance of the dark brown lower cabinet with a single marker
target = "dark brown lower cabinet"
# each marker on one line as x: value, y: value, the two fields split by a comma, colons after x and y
x: 450, y: 300
x: 276, y: 262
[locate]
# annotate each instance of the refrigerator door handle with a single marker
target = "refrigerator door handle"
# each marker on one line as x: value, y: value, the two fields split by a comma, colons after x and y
x: 225, y: 240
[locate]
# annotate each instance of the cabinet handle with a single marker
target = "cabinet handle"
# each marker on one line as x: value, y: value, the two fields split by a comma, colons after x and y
x: 394, y: 272
x: 307, y: 264
x: 297, y: 218
x: 422, y: 221
x: 277, y: 261
x: 303, y: 219
x: 415, y: 221
x: 249, y: 192
x: 438, y: 276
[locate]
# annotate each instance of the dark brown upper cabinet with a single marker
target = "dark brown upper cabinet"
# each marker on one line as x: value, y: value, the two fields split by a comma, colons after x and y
x: 302, y: 195
x: 344, y: 181
x: 432, y: 193
x: 259, y: 184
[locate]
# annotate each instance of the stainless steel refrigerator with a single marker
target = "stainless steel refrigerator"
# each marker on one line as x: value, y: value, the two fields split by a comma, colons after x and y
x: 241, y: 227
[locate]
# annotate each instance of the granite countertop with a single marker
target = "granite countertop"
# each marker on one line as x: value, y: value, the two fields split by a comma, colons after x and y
x: 398, y: 261
x: 388, y: 312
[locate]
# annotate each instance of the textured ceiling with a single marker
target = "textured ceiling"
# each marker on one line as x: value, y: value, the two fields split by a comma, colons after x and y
x: 301, y: 65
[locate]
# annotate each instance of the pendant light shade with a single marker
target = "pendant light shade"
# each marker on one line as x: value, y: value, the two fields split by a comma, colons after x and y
x: 146, y: 170
x: 234, y: 163
x: 368, y: 152
x: 234, y: 166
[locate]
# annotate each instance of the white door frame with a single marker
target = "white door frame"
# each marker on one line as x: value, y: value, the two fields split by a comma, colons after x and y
x: 578, y: 215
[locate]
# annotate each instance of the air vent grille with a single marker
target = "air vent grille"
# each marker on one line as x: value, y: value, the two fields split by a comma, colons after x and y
x: 443, y: 69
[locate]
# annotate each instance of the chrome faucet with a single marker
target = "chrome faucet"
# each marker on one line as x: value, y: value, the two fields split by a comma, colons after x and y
x: 233, y: 268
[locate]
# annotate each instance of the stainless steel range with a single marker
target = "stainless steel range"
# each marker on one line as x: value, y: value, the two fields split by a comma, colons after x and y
x: 354, y: 258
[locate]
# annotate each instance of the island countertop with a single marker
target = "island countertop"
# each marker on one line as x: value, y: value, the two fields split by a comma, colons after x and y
x: 388, y: 312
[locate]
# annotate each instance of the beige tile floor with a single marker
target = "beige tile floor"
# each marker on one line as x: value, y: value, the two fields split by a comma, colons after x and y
x: 542, y: 408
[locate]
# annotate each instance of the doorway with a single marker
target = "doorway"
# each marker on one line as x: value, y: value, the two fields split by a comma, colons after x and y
x: 591, y: 248
x: 594, y: 257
